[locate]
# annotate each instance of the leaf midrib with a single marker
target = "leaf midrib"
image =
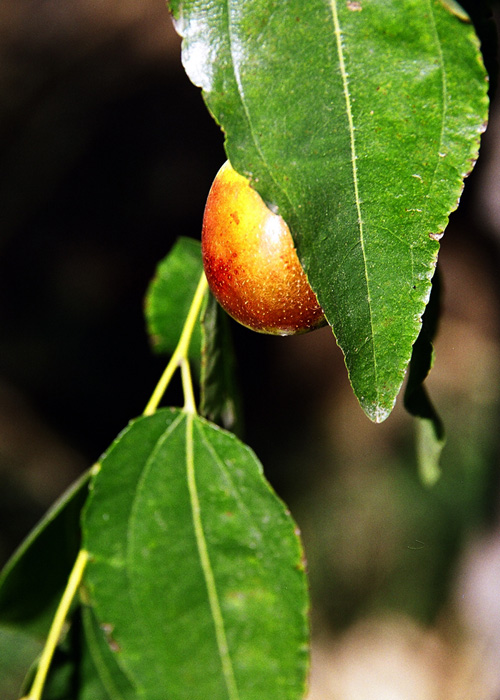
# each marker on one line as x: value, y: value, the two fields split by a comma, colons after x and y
x: 379, y: 413
x: 206, y: 565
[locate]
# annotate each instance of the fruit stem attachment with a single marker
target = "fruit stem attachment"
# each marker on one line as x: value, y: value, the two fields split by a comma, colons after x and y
x: 180, y: 355
x: 187, y: 387
x: 54, y: 635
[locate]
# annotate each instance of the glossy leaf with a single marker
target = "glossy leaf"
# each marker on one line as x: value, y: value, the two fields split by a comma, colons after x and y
x: 196, y: 569
x: 169, y: 297
x: 358, y: 120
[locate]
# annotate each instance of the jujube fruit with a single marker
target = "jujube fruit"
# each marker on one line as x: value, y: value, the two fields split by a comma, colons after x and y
x: 251, y: 263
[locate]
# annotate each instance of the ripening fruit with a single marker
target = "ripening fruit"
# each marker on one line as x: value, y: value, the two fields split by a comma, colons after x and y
x: 250, y: 261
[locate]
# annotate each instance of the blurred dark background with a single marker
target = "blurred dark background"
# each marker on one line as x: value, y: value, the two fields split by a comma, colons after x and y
x: 107, y: 153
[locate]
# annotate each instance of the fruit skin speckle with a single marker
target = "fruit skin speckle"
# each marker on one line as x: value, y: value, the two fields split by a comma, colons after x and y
x: 250, y: 261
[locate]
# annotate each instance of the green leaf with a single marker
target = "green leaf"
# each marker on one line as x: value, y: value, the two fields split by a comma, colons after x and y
x: 169, y: 297
x: 83, y: 666
x: 33, y: 580
x: 18, y: 651
x: 100, y: 671
x: 359, y: 120
x: 220, y: 398
x: 196, y: 566
x: 430, y: 441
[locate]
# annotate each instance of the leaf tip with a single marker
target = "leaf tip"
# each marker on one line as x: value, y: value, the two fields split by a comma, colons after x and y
x: 376, y: 412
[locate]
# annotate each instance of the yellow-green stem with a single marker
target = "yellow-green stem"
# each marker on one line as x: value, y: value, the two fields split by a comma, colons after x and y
x: 74, y: 581
x: 178, y: 359
x: 181, y: 351
x: 187, y: 387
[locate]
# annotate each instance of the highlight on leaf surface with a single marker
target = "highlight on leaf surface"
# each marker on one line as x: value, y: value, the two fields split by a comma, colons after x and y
x: 362, y: 139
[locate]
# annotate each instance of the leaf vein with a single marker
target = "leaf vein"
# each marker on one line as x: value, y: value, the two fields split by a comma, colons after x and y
x: 236, y: 55
x: 227, y: 474
x: 105, y: 675
x: 135, y: 512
